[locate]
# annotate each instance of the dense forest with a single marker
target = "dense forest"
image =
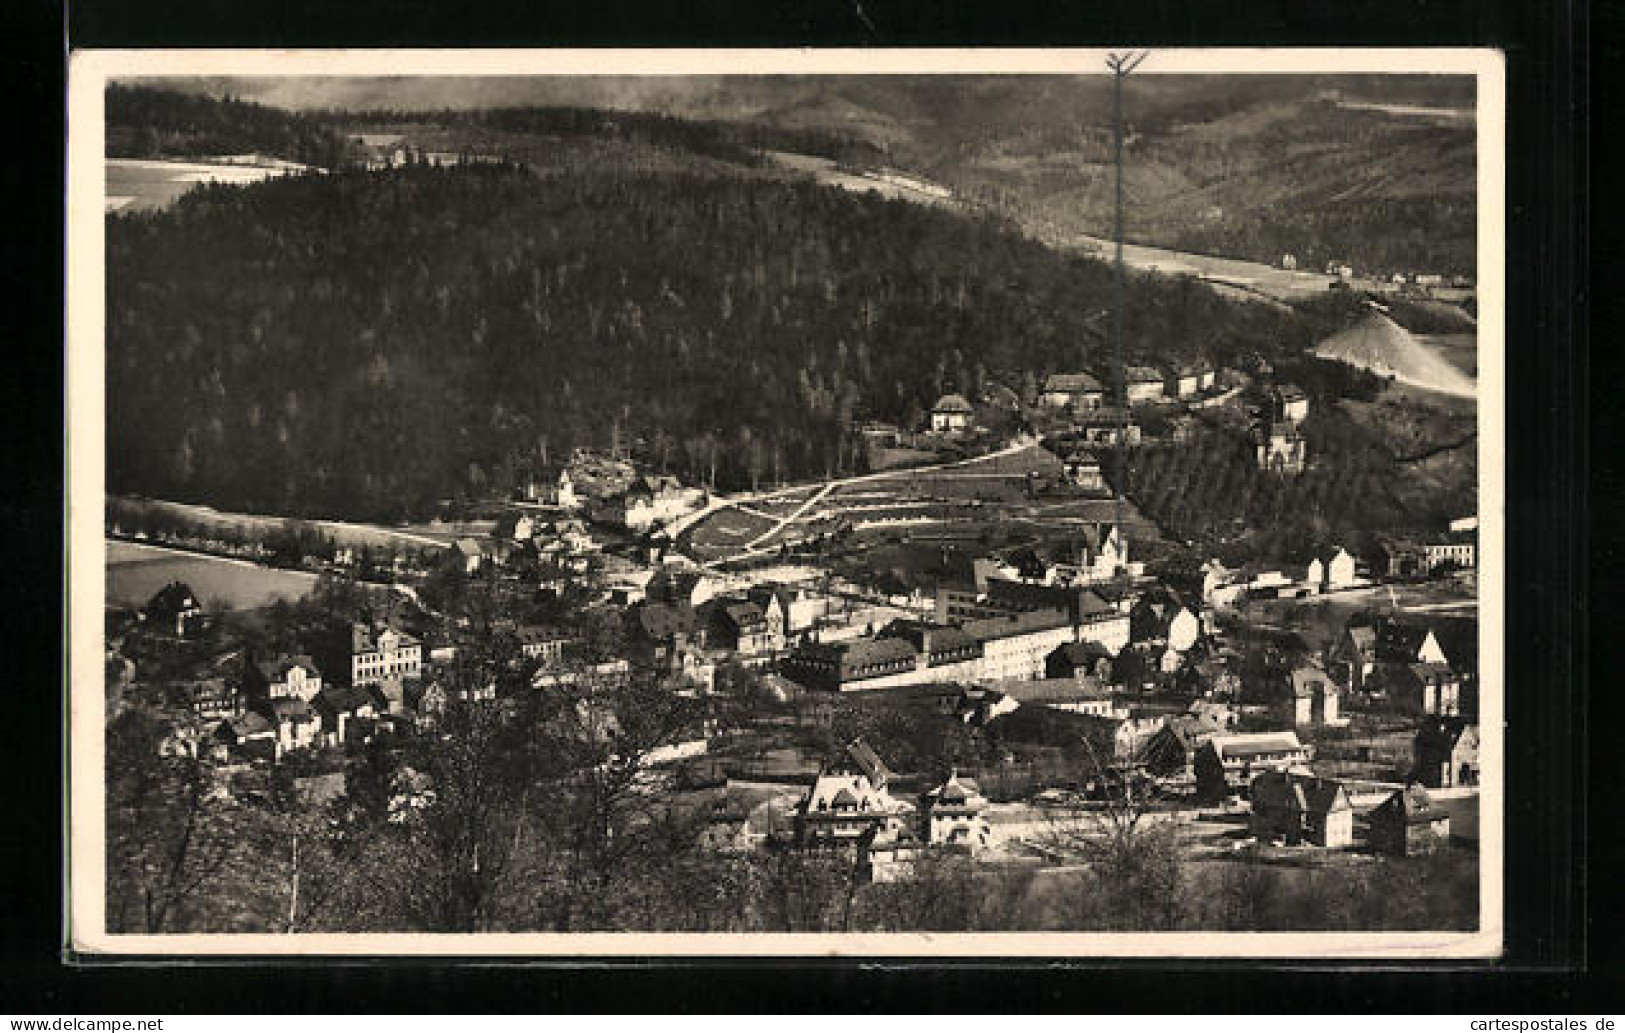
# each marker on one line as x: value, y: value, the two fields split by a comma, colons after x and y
x: 144, y: 122
x: 362, y: 344
x: 739, y: 143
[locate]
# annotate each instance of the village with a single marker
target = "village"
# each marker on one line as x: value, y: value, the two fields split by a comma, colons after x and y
x: 873, y: 674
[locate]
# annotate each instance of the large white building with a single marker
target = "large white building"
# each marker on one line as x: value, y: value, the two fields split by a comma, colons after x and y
x: 377, y: 654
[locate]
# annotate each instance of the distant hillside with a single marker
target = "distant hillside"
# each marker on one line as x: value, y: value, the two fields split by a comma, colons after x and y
x: 1376, y: 171
x: 363, y: 344
x: 148, y: 122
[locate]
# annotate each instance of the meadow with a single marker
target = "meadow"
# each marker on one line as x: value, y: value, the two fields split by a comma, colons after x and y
x: 135, y: 572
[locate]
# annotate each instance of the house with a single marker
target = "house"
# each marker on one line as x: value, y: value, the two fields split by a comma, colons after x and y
x: 379, y: 651
x: 1078, y: 660
x: 649, y: 502
x: 1446, y: 754
x: 471, y: 554
x: 251, y: 732
x: 1282, y: 449
x: 1082, y: 470
x: 1183, y: 381
x: 681, y: 586
x: 1172, y: 749
x: 1081, y: 695
x: 1406, y: 642
x: 1313, y: 697
x: 1408, y: 823
x: 1458, y: 549
x: 214, y: 698
x: 781, y: 607
x: 742, y: 626
x: 560, y: 492
x: 295, y: 724
x: 1072, y: 391
x: 1161, y: 617
x: 514, y: 527
x: 950, y: 815
x: 951, y: 414
x: 1226, y: 764
x: 1353, y: 656
x: 1143, y: 384
x: 1330, y: 572
x: 282, y: 677
x: 1422, y: 688
x: 1301, y: 808
x: 1108, y: 426
x: 345, y: 710
x: 1220, y: 586
x: 848, y: 804
x: 655, y: 630
x: 1206, y: 375
x: 540, y: 643
x: 1290, y: 404
x: 175, y: 609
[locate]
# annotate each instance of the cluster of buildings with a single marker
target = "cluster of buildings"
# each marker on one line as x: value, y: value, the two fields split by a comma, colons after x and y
x: 1083, y: 392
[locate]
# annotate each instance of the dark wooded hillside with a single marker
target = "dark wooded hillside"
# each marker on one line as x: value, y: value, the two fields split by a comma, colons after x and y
x: 363, y: 344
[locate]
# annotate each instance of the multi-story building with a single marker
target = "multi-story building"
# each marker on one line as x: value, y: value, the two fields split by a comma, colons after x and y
x: 380, y: 652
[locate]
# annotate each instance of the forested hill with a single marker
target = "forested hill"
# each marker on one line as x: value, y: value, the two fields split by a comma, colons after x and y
x: 144, y: 122
x: 362, y: 344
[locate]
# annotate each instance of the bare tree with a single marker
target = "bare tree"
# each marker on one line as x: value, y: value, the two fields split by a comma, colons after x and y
x: 170, y: 831
x: 1132, y: 857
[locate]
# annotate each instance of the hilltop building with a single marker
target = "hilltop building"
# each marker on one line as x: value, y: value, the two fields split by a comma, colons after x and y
x: 1143, y: 384
x: 1282, y: 449
x: 1107, y: 427
x: 1076, y: 391
x: 951, y: 415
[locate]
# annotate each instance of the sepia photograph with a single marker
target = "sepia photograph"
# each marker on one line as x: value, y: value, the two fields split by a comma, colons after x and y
x: 908, y: 503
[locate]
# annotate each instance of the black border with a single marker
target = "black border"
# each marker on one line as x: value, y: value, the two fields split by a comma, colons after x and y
x: 1546, y: 44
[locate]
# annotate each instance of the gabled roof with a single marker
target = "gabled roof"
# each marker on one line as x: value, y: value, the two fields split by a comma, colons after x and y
x: 468, y: 547
x: 1142, y: 375
x: 1305, y: 794
x: 1055, y: 690
x: 952, y: 403
x: 247, y: 725
x: 1252, y: 743
x: 536, y: 634
x: 295, y: 710
x: 868, y: 762
x: 1082, y: 654
x: 1072, y: 383
x: 1413, y: 803
x: 663, y: 620
x: 862, y: 652
x: 277, y: 668
x: 175, y: 597
x: 1307, y: 680
x: 744, y: 616
x: 343, y: 699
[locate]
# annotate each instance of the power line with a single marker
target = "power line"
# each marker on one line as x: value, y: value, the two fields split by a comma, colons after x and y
x: 1121, y: 65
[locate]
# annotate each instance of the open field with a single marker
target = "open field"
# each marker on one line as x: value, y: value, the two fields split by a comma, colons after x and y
x: 135, y: 572
x: 342, y: 533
